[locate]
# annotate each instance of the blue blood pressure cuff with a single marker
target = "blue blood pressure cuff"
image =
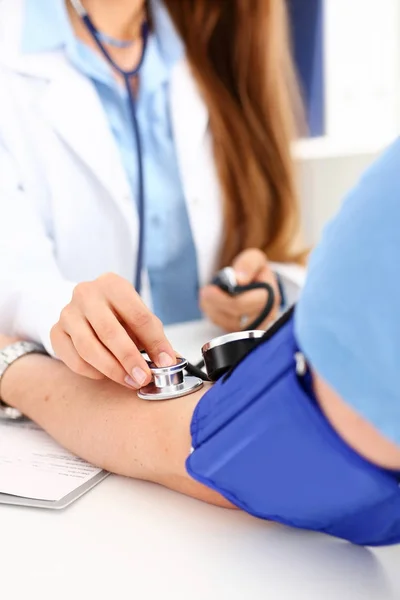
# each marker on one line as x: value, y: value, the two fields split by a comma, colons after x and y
x: 260, y: 440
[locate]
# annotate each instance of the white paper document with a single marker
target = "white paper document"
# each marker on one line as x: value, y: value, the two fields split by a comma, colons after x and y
x: 33, y: 466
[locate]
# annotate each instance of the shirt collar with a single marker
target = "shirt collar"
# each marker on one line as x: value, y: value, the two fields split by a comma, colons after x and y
x: 169, y: 43
x: 38, y: 36
x: 46, y: 26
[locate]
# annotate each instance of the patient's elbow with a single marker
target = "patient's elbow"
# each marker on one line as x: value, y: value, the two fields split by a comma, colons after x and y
x: 189, y: 487
x: 358, y: 433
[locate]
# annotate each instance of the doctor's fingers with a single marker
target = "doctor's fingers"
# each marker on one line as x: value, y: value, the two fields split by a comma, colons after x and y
x: 94, y: 353
x: 113, y: 336
x: 226, y: 322
x: 252, y: 303
x: 146, y: 328
x: 249, y: 303
x: 119, y: 296
x: 102, y: 341
x: 66, y: 352
x: 213, y: 298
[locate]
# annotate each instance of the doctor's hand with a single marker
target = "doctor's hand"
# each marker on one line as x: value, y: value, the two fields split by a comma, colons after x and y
x: 233, y: 313
x: 101, y: 331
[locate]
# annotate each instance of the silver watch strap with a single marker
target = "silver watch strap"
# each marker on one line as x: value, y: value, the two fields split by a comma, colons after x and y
x: 8, y: 413
x: 8, y: 356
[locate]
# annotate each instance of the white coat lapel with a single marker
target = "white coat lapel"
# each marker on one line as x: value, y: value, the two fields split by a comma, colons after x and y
x: 190, y: 117
x: 69, y: 102
x: 196, y: 161
x: 74, y: 109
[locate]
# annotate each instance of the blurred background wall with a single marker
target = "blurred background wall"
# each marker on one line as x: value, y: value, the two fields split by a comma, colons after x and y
x: 348, y: 58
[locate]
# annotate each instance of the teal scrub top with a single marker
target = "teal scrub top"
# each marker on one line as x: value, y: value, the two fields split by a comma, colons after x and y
x: 348, y: 317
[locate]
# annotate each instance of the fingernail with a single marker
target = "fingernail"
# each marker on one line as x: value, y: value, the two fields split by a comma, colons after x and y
x: 139, y: 376
x: 129, y: 381
x: 241, y: 276
x: 165, y: 360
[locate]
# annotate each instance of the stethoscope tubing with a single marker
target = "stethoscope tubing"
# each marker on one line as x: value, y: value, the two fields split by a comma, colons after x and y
x: 197, y: 369
x: 128, y: 76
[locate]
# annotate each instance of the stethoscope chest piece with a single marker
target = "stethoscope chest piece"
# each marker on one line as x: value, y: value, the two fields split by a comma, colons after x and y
x: 169, y: 382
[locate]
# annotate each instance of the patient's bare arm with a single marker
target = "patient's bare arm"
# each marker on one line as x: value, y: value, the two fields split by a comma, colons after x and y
x: 107, y: 424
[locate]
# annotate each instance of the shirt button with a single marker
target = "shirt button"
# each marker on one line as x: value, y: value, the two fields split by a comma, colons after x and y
x: 155, y: 221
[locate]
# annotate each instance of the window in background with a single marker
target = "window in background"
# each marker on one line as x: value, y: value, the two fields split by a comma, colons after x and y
x: 307, y: 22
x: 347, y: 54
x: 348, y: 58
x: 362, y: 61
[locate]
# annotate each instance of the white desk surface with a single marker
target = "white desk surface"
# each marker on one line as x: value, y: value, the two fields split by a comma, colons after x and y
x: 137, y: 541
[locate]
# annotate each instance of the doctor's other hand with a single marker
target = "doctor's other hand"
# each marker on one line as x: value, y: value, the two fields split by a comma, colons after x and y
x: 233, y: 313
x: 101, y: 331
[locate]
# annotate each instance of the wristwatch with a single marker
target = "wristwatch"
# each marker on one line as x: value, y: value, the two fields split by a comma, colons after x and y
x: 8, y: 356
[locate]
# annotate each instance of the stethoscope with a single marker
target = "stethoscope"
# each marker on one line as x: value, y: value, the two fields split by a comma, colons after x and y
x: 222, y: 353
x: 101, y: 39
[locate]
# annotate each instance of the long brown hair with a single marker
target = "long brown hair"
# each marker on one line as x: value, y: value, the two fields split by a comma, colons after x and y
x: 239, y: 53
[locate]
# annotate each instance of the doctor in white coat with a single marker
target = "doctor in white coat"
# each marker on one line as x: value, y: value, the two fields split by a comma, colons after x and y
x: 213, y: 102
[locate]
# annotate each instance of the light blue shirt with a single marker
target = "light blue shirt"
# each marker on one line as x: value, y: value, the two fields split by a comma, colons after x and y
x: 348, y: 318
x: 170, y: 255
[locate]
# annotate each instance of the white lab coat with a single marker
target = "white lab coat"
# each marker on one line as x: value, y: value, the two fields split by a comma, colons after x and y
x: 66, y: 208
